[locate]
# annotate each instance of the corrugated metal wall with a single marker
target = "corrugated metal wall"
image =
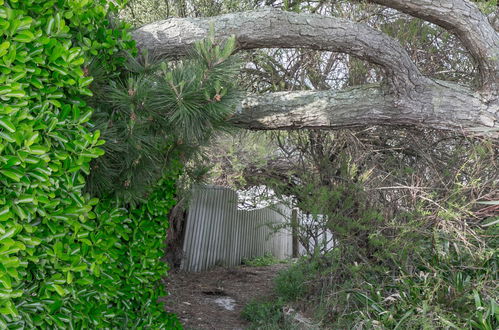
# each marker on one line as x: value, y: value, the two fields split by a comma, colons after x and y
x: 217, y: 233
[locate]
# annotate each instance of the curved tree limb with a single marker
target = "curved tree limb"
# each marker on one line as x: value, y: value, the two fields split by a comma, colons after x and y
x: 272, y: 28
x: 465, y: 20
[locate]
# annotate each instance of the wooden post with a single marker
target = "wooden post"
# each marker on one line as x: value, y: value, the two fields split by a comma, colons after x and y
x: 294, y: 231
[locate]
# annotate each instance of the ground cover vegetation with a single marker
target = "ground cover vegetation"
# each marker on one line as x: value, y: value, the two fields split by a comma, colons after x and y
x: 262, y: 261
x: 413, y: 211
x: 88, y: 166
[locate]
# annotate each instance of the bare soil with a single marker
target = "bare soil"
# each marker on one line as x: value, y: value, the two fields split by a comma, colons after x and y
x: 193, y: 295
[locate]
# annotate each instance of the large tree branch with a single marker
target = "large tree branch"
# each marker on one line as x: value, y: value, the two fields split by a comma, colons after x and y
x: 271, y: 28
x: 409, y: 99
x: 463, y: 18
x: 442, y: 106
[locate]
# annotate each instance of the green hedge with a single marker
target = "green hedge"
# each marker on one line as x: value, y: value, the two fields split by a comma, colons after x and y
x: 124, y: 285
x: 67, y: 260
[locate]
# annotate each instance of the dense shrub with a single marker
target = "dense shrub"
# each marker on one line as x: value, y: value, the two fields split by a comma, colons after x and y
x: 415, y: 229
x: 129, y: 244
x: 67, y: 260
x: 45, y: 150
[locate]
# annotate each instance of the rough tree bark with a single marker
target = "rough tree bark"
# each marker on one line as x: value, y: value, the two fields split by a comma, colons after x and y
x: 407, y: 97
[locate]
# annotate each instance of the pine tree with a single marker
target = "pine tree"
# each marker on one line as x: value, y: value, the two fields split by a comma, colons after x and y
x: 154, y: 111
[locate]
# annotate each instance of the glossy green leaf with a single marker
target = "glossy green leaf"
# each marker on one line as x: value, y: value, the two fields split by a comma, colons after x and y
x: 11, y: 175
x: 7, y: 124
x: 24, y: 36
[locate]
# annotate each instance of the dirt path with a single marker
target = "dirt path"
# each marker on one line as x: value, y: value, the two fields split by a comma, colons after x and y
x: 214, y: 299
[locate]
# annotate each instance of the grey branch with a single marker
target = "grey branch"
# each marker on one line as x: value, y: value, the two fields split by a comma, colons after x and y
x: 408, y: 99
x: 465, y: 20
x: 443, y: 106
x: 271, y: 28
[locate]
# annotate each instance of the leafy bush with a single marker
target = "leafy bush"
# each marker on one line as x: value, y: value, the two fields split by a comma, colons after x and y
x: 46, y: 148
x: 125, y: 284
x: 67, y: 260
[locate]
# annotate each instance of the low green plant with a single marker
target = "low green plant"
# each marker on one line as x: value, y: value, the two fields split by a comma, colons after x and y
x: 486, y: 316
x: 263, y: 312
x: 262, y: 261
x: 451, y: 287
x: 266, y: 315
x: 291, y: 283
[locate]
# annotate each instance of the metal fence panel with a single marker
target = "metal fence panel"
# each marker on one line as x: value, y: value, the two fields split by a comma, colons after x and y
x: 217, y: 233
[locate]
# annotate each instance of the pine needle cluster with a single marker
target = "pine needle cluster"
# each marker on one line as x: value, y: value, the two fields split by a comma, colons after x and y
x: 155, y: 111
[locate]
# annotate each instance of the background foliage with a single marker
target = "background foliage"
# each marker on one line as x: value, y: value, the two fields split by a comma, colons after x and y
x: 414, y: 221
